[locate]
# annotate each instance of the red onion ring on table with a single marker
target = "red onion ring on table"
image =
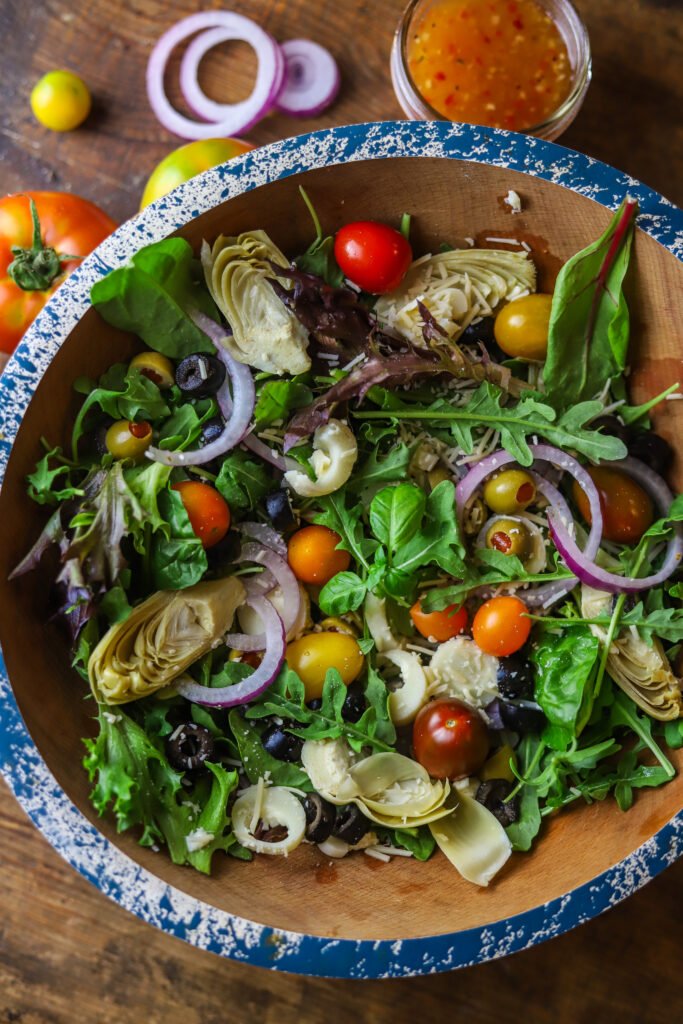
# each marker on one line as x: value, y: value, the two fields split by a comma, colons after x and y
x: 289, y: 586
x: 254, y: 685
x: 311, y: 79
x: 249, y: 32
x: 601, y: 579
x: 236, y: 117
x: 236, y: 410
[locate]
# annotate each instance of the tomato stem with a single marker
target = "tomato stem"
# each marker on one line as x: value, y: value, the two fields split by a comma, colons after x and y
x: 34, y: 269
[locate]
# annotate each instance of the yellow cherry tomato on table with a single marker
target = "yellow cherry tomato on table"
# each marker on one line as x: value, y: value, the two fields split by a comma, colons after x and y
x: 61, y: 101
x: 440, y: 626
x: 313, y: 554
x: 63, y: 226
x: 187, y: 161
x: 312, y: 655
x: 207, y: 510
x: 501, y: 626
x: 521, y: 327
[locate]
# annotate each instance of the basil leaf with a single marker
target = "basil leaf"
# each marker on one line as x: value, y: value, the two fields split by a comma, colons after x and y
x: 396, y: 514
x: 152, y: 296
x: 343, y: 593
x: 589, y: 320
x: 438, y: 540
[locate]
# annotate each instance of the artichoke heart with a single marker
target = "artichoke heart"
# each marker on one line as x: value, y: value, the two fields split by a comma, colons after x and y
x: 642, y: 672
x: 161, y: 638
x: 474, y: 841
x: 457, y: 287
x: 266, y: 334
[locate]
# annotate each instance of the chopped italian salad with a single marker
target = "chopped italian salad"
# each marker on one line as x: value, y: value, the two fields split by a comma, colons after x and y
x: 366, y: 550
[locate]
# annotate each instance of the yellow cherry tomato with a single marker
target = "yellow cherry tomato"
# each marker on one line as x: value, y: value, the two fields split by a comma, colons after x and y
x: 61, y: 101
x: 521, y: 327
x: 311, y: 656
x: 187, y: 161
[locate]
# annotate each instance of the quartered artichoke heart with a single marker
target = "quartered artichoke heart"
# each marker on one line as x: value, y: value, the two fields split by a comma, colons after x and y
x: 457, y: 287
x: 474, y: 841
x: 266, y: 334
x: 161, y: 638
x: 390, y: 789
x: 642, y: 672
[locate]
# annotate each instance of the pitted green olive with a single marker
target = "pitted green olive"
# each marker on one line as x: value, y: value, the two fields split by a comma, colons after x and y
x: 513, y: 490
x: 128, y: 440
x: 511, y: 536
x: 156, y: 367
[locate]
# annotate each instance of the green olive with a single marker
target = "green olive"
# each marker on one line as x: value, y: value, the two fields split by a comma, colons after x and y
x: 511, y: 536
x: 158, y: 368
x: 128, y: 440
x: 513, y: 490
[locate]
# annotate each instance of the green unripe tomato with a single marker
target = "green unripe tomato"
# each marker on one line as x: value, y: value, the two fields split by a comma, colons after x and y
x: 128, y: 440
x: 510, y: 491
x: 187, y: 161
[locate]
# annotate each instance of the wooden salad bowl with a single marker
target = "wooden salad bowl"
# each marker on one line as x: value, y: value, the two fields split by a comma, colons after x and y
x: 452, y: 180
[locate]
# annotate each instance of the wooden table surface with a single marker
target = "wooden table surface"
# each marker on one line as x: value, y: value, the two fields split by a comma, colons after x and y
x: 66, y: 953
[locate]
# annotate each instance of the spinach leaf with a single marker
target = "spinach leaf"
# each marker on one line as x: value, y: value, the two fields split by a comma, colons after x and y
x: 589, y: 320
x: 258, y: 763
x: 419, y: 841
x: 177, y: 558
x: 565, y: 667
x: 153, y: 295
x: 278, y: 398
x: 243, y: 481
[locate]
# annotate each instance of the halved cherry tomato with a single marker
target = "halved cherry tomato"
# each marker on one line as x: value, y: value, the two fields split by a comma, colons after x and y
x: 450, y: 739
x: 626, y: 508
x: 207, y: 510
x: 441, y: 626
x: 67, y: 226
x: 501, y: 626
x: 313, y: 554
x: 374, y: 256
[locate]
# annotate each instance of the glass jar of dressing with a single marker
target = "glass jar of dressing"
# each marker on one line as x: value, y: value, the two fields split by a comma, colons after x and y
x: 523, y: 65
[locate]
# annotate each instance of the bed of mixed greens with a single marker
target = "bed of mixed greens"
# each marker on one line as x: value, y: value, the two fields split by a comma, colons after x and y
x: 368, y: 589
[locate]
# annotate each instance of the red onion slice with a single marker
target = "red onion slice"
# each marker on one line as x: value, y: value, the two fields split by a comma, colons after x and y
x: 290, y: 593
x: 253, y: 685
x: 236, y: 410
x: 235, y: 118
x: 257, y: 446
x: 269, y: 537
x: 270, y: 75
x: 311, y: 79
x: 601, y: 579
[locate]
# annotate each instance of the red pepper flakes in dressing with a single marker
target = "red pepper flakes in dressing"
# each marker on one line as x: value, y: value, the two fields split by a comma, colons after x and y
x: 501, y: 63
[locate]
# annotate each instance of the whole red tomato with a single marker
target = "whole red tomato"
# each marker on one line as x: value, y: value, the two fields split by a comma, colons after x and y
x: 374, y: 256
x: 450, y: 739
x: 34, y: 247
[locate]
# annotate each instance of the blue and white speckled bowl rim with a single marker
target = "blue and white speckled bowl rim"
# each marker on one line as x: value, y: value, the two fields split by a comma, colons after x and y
x: 64, y: 826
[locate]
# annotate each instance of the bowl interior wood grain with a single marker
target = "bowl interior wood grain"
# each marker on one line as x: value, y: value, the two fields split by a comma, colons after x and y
x: 357, y: 897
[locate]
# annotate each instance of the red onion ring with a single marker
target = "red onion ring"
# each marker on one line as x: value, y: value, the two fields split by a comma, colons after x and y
x: 601, y: 579
x: 248, y: 31
x: 281, y: 462
x: 267, y: 536
x: 236, y: 117
x: 253, y: 685
x: 237, y: 413
x: 311, y: 79
x: 290, y: 592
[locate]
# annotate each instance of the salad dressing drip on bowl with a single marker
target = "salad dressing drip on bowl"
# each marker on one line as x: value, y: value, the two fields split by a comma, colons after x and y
x: 445, y: 472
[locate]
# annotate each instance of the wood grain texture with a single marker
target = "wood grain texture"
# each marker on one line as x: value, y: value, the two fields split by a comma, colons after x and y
x: 66, y: 953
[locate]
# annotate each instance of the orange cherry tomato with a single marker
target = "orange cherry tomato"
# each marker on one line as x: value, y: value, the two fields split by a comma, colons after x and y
x: 450, y: 739
x: 501, y: 626
x: 68, y: 226
x: 626, y: 508
x: 313, y: 554
x: 207, y: 510
x: 374, y: 256
x: 441, y: 626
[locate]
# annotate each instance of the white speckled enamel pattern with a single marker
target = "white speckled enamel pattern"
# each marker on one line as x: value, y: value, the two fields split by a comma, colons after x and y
x: 71, y: 834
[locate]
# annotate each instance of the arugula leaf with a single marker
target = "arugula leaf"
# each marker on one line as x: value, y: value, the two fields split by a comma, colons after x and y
x: 347, y: 523
x: 565, y: 667
x: 589, y: 320
x: 378, y: 469
x: 319, y: 257
x: 176, y: 557
x: 278, y: 398
x: 257, y: 761
x: 516, y: 423
x: 153, y: 295
x: 624, y: 713
x: 123, y: 394
x: 523, y: 831
x: 343, y: 593
x: 632, y: 775
x: 243, y: 481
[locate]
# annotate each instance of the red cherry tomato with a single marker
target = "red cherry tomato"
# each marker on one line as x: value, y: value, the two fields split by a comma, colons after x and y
x: 450, y: 739
x: 441, y: 626
x: 374, y: 256
x: 626, y: 508
x: 501, y: 626
x: 207, y: 510
x: 313, y: 554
